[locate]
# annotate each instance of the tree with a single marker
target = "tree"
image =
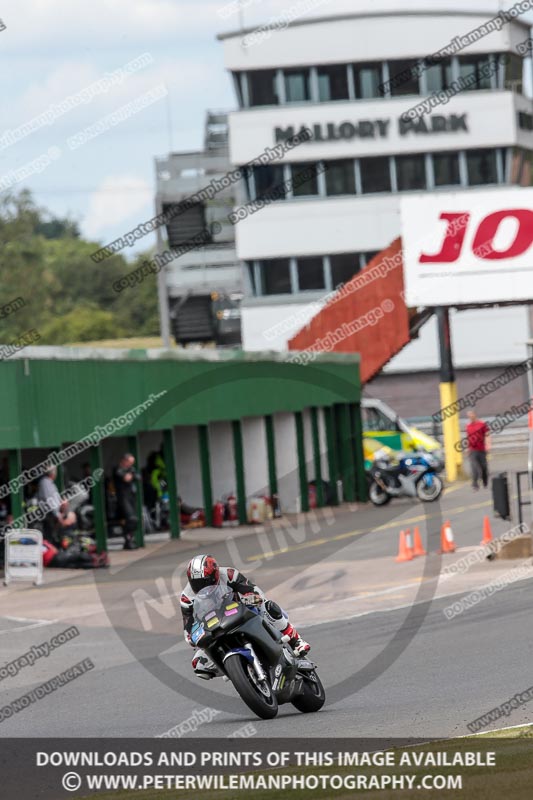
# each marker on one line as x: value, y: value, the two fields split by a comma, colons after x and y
x: 137, y: 309
x: 84, y: 323
x: 57, y: 228
x: 67, y: 297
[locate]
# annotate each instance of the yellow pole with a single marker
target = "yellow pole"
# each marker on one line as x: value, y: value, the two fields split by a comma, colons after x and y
x: 453, y: 457
x: 448, y: 432
x: 457, y: 434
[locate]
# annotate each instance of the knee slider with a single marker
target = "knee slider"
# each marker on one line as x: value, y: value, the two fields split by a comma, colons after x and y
x: 276, y: 615
x: 273, y: 610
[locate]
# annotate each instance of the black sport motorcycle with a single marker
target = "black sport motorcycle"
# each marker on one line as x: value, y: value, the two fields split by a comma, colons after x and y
x: 253, y: 655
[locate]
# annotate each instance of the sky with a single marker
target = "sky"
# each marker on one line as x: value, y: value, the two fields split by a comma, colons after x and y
x: 54, y: 49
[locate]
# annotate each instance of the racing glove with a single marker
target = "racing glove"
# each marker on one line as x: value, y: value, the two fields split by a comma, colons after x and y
x: 252, y: 599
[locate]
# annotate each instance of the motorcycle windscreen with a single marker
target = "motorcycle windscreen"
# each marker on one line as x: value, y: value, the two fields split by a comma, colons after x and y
x: 210, y: 599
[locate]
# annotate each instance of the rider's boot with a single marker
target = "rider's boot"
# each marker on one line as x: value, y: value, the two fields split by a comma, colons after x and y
x: 279, y: 620
x: 203, y: 666
x: 299, y: 645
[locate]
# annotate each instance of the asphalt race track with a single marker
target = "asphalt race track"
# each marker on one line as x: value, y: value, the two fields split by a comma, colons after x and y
x: 447, y: 677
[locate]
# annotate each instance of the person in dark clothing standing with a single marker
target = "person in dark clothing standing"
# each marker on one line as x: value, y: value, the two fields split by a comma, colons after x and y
x: 477, y: 432
x: 124, y: 478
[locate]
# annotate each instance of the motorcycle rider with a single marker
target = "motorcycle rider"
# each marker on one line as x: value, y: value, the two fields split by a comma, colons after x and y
x: 203, y: 571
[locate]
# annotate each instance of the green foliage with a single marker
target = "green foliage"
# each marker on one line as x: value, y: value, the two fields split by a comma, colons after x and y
x: 137, y: 309
x: 57, y: 228
x: 67, y: 297
x: 84, y: 323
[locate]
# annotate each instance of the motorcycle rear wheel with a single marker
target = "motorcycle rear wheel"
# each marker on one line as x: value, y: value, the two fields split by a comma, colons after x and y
x: 428, y: 494
x: 313, y: 696
x: 377, y: 496
x: 266, y: 707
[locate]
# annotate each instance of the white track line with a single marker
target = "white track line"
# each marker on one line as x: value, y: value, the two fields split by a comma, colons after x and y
x: 495, y: 730
x: 293, y: 611
x: 34, y: 623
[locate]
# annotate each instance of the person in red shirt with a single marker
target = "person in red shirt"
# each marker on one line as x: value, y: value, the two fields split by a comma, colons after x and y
x: 477, y: 432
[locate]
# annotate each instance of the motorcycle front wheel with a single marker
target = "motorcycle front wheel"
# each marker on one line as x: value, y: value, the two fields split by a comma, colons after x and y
x: 377, y: 496
x: 258, y: 696
x: 313, y: 695
x: 429, y: 494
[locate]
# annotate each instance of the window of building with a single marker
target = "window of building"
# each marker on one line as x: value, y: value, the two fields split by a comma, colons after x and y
x: 367, y: 257
x: 403, y: 77
x: 513, y: 71
x: 446, y: 169
x: 262, y: 88
x: 247, y: 173
x: 477, y: 71
x: 367, y: 80
x: 297, y: 83
x: 310, y: 273
x: 304, y: 179
x: 268, y: 177
x: 332, y: 82
x: 520, y: 166
x: 438, y: 75
x: 189, y: 223
x: 343, y: 267
x: 410, y: 172
x: 482, y: 167
x: 238, y: 77
x: 375, y: 174
x: 251, y: 276
x: 276, y: 276
x: 340, y: 177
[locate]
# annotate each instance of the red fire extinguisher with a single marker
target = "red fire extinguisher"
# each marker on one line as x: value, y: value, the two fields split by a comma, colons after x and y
x: 232, y: 510
x: 218, y: 514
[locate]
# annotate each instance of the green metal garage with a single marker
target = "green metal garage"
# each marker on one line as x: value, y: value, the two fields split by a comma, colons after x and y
x: 224, y: 418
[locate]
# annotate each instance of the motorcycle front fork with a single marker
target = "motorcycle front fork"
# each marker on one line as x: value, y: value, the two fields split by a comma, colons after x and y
x: 258, y: 669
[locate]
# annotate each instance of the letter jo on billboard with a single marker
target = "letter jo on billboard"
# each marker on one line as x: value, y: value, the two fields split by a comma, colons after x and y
x: 468, y: 248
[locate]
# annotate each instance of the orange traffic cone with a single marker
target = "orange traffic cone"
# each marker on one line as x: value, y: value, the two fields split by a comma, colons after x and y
x: 487, y: 531
x: 447, y: 543
x: 405, y: 553
x: 409, y: 542
x: 418, y: 549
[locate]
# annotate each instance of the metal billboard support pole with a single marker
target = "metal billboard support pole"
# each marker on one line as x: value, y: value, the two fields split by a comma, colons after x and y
x: 448, y: 396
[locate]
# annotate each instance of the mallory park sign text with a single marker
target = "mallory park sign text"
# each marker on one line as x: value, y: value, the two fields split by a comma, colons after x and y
x: 375, y: 129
